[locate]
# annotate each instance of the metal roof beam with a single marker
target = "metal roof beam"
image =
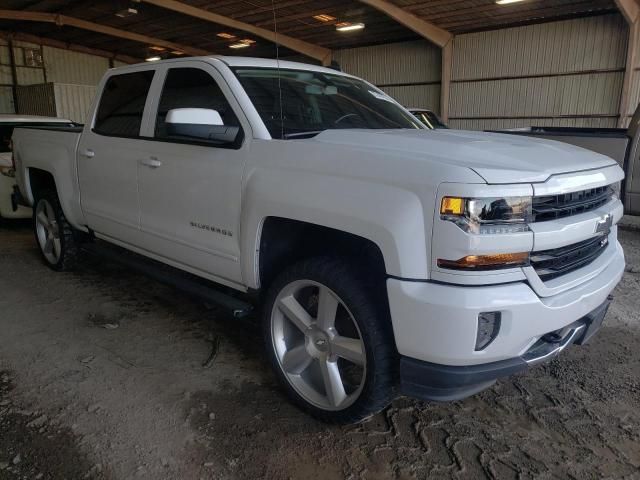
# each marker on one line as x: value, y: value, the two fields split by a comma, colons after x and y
x: 427, y: 30
x: 62, y: 20
x: 630, y: 9
x: 49, y: 42
x: 311, y: 50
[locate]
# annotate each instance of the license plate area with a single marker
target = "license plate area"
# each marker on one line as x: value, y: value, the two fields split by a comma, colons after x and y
x: 593, y: 321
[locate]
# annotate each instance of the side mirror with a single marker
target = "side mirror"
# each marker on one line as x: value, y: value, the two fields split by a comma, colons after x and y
x: 200, y: 124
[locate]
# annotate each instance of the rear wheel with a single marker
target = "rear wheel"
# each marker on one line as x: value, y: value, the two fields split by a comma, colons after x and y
x: 329, y: 341
x: 53, y: 233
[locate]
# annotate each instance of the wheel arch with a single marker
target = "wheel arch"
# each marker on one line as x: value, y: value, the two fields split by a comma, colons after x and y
x: 36, y: 181
x: 285, y: 241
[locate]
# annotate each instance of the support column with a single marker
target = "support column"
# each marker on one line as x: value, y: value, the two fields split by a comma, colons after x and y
x: 445, y: 85
x: 631, y: 86
x: 14, y: 73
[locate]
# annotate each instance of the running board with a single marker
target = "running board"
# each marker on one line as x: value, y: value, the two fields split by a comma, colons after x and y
x: 171, y: 276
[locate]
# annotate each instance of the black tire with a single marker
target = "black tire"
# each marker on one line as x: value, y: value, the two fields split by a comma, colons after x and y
x: 69, y: 250
x: 367, y: 304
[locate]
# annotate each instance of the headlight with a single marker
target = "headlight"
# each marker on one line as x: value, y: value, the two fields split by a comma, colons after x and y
x: 488, y: 216
x: 617, y: 188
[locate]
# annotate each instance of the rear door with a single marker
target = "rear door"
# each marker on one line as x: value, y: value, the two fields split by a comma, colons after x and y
x: 108, y: 155
x: 190, y: 191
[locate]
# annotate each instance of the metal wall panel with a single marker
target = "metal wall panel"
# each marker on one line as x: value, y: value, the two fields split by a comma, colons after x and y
x: 496, y: 124
x: 407, y: 62
x: 566, y: 73
x: 30, y: 76
x: 6, y: 78
x: 73, y: 101
x: 592, y: 43
x: 418, y: 96
x: 6, y: 100
x: 583, y: 95
x: 5, y: 58
x: 64, y: 66
x: 36, y: 100
x: 409, y: 71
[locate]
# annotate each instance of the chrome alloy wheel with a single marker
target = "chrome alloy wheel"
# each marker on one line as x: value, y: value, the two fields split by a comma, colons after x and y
x: 318, y: 345
x: 48, y: 232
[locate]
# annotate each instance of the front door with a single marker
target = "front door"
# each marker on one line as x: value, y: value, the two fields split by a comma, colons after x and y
x: 108, y: 156
x: 190, y: 190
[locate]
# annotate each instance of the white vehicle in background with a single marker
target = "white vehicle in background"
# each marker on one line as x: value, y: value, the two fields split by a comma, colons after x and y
x: 428, y: 118
x: 389, y: 258
x: 8, y: 207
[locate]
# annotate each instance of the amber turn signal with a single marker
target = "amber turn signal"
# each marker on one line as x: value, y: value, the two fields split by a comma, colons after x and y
x: 487, y: 262
x: 452, y: 206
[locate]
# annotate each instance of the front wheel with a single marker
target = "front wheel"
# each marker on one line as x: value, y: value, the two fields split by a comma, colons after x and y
x: 53, y: 233
x: 329, y: 341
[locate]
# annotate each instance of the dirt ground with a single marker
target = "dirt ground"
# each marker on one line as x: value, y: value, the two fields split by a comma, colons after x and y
x: 102, y: 376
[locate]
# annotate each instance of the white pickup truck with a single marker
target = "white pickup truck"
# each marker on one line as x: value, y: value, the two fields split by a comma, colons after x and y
x: 389, y: 258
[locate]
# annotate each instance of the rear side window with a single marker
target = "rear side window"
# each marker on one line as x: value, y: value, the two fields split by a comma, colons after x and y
x: 192, y: 88
x: 122, y: 104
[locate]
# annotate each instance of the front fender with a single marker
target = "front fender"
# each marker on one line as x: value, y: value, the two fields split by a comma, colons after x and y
x: 390, y: 217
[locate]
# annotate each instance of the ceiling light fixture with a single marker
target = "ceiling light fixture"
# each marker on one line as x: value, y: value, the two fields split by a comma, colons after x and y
x: 239, y: 45
x: 127, y: 12
x: 228, y: 36
x: 507, y: 2
x: 324, y: 18
x: 349, y: 27
x: 155, y: 58
x: 157, y: 49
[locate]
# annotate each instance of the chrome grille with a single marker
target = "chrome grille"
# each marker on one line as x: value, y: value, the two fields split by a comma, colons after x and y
x: 551, y: 207
x: 550, y: 264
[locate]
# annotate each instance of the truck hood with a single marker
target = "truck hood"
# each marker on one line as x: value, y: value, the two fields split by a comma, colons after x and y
x: 497, y: 158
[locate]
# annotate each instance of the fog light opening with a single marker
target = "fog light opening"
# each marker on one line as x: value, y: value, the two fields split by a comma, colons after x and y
x: 488, y: 328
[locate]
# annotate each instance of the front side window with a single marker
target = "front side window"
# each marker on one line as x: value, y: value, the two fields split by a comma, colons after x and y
x: 192, y: 88
x: 300, y: 104
x: 122, y: 104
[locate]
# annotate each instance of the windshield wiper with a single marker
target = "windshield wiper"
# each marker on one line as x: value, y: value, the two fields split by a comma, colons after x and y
x: 309, y: 134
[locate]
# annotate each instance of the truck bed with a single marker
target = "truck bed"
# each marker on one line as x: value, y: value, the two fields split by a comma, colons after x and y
x: 51, y: 149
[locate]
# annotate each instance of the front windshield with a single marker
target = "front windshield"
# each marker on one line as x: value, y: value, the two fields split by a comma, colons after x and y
x: 299, y: 103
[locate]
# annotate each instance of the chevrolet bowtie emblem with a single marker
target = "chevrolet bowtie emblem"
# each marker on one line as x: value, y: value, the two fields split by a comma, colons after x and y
x: 604, y: 225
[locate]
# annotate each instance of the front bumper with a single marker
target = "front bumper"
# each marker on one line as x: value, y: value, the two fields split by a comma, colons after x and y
x: 430, y: 381
x: 438, y: 323
x: 435, y: 326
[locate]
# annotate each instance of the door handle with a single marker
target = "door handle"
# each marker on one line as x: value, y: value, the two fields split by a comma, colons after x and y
x: 89, y: 153
x: 151, y: 162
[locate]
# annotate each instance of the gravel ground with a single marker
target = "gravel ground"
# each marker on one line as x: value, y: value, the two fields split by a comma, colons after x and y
x: 103, y: 375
